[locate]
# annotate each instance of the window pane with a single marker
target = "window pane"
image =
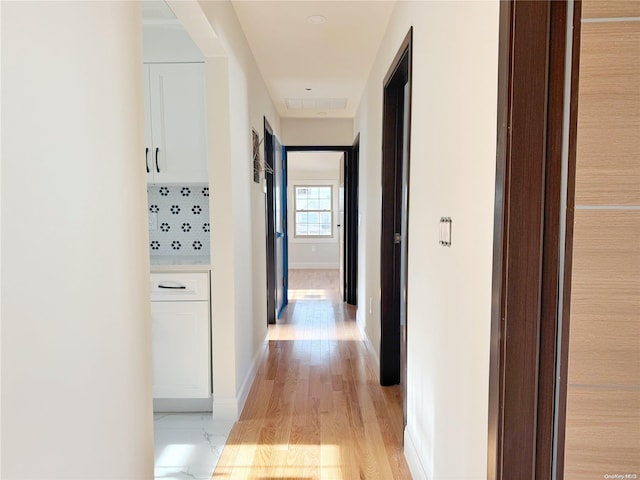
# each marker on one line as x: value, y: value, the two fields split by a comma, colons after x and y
x: 313, y: 211
x: 324, y: 205
x: 325, y: 193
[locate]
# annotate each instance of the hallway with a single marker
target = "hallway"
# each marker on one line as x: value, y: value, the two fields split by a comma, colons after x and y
x: 316, y: 409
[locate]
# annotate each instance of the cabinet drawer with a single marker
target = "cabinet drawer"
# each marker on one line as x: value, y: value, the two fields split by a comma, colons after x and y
x: 179, y: 286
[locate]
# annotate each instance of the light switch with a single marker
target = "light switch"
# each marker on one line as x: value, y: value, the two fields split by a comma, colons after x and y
x: 445, y: 231
x: 153, y: 220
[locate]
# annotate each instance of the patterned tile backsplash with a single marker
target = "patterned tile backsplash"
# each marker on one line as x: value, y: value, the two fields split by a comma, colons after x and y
x: 182, y: 220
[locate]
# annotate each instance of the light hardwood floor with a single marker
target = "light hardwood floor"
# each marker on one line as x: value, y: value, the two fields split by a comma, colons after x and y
x: 316, y: 409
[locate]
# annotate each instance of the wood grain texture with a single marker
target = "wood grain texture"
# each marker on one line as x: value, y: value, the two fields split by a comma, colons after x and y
x: 610, y: 8
x: 604, y: 343
x: 603, y: 433
x: 560, y: 408
x: 316, y: 409
x: 608, y: 143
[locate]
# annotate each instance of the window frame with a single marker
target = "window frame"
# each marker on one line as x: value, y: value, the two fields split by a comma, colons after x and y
x: 295, y: 211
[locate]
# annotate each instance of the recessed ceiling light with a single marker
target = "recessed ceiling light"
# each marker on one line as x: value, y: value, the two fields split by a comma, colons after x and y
x: 316, y: 19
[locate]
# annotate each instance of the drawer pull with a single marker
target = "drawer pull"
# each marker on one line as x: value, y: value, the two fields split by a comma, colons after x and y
x: 173, y: 287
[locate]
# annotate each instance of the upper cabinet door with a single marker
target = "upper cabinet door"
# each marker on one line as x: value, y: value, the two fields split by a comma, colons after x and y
x: 178, y: 123
x: 148, y: 140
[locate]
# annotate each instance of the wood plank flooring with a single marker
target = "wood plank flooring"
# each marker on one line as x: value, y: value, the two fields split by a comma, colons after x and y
x: 316, y: 409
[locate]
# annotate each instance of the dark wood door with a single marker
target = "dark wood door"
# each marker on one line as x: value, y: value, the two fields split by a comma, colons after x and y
x: 350, y: 273
x: 395, y: 207
x: 270, y: 221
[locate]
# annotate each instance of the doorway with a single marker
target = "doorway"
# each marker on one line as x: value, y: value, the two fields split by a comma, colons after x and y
x: 395, y: 208
x: 342, y: 239
x: 313, y: 200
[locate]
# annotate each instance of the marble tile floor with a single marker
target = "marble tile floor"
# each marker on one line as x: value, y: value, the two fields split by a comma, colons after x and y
x: 187, y: 445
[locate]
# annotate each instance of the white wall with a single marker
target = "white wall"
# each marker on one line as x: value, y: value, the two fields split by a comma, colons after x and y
x: 237, y: 102
x: 76, y: 329
x: 452, y: 174
x: 0, y: 255
x: 313, y: 168
x: 317, y: 132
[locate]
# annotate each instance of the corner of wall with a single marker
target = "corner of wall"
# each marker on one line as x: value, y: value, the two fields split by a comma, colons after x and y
x: 243, y: 393
x: 411, y: 455
x: 230, y: 408
x: 225, y: 409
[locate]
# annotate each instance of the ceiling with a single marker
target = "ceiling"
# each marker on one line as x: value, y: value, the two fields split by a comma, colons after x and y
x: 314, y: 70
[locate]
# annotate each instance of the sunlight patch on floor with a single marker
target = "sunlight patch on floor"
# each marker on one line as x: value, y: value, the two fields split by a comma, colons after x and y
x: 311, y: 333
x: 327, y: 464
x: 308, y: 294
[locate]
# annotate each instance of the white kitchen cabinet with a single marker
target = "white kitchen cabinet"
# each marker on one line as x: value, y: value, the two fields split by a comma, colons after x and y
x: 180, y: 335
x: 175, y: 123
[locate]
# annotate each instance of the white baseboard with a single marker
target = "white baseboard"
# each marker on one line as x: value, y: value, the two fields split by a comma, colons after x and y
x: 412, y: 457
x: 314, y: 266
x: 230, y: 408
x: 181, y: 405
x: 225, y: 408
x: 372, y: 351
x: 251, y: 375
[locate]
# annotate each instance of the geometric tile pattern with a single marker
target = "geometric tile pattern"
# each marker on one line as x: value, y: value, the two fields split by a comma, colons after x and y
x: 183, y: 219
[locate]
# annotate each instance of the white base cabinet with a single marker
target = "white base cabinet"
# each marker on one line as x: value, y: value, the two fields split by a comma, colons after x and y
x: 180, y: 337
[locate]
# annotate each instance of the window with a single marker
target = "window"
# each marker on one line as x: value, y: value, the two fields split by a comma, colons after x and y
x: 313, y: 211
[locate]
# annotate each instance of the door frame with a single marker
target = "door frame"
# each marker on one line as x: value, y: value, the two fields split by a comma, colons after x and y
x: 351, y: 214
x: 392, y: 338
x: 350, y: 223
x: 269, y: 205
x: 285, y: 230
x: 532, y: 258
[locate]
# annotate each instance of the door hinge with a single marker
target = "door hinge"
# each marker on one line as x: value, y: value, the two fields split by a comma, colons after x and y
x: 397, y: 238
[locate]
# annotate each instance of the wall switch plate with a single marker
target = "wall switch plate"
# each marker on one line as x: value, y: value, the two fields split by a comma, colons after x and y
x: 445, y: 231
x: 153, y: 221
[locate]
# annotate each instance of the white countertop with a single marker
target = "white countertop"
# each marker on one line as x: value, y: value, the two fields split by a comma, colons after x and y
x: 180, y: 264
